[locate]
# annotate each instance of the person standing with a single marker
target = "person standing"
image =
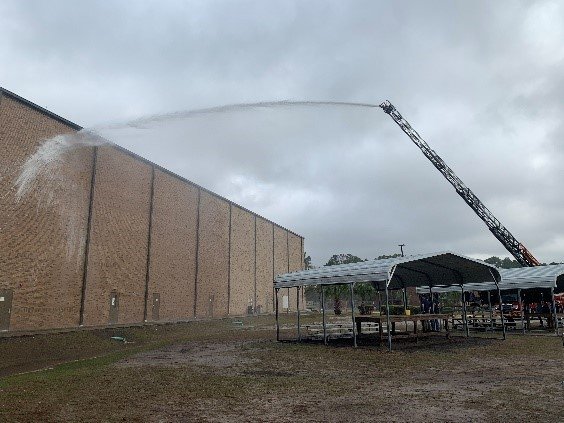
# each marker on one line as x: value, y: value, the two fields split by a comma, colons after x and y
x: 426, y: 309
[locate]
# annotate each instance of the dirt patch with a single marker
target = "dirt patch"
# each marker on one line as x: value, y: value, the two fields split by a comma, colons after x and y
x: 219, y: 355
x: 436, y: 380
x: 216, y: 372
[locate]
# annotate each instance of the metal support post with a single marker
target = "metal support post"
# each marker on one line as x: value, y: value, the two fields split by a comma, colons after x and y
x: 298, y: 307
x: 323, y: 308
x: 464, y: 317
x: 491, y: 309
x: 522, y: 312
x: 379, y: 299
x: 554, y: 311
x: 277, y: 323
x: 405, y: 305
x: 432, y: 323
x: 501, y: 310
x: 388, y: 318
x: 351, y: 286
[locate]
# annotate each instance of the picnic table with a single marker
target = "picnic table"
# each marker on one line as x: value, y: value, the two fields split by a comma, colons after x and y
x: 415, y: 318
x: 543, y: 317
x: 337, y: 330
x: 488, y: 322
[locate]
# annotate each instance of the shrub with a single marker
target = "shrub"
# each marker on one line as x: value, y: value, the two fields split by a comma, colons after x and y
x: 414, y: 309
x: 365, y: 309
x: 394, y: 310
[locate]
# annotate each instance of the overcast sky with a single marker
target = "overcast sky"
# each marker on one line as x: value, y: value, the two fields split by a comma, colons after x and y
x: 481, y: 81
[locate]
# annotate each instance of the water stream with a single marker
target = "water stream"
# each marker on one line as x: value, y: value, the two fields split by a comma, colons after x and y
x: 42, y: 179
x: 49, y: 156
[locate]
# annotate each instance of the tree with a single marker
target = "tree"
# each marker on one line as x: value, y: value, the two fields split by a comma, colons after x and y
x: 496, y: 261
x: 366, y: 293
x: 386, y: 256
x: 337, y: 291
x: 307, y: 262
x: 505, y: 263
x: 343, y: 259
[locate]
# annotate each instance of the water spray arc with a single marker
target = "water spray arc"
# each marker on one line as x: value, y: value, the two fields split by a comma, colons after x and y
x: 41, y: 169
x: 42, y: 175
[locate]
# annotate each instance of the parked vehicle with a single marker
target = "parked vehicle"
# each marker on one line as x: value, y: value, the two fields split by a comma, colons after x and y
x: 559, y: 300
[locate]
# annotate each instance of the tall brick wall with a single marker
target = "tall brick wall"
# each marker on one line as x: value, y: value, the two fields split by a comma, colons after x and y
x: 118, y: 240
x: 207, y: 257
x: 173, y: 248
x: 281, y: 264
x: 242, y: 274
x: 265, y: 270
x: 213, y: 257
x: 41, y: 244
x: 296, y: 263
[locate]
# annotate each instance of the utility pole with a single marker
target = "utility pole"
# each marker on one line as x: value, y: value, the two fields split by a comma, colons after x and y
x: 401, y: 248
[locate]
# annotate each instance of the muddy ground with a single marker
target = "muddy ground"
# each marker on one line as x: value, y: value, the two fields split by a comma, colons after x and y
x: 223, y: 372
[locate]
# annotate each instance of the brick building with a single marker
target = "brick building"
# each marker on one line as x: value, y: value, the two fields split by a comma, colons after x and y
x: 126, y: 240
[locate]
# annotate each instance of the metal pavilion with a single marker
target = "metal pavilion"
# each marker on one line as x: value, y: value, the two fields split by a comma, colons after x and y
x: 435, y: 269
x: 520, y: 279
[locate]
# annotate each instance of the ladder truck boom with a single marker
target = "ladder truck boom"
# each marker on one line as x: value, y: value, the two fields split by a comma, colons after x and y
x: 518, y: 250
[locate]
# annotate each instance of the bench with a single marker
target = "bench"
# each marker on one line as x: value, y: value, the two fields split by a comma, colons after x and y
x: 335, y: 330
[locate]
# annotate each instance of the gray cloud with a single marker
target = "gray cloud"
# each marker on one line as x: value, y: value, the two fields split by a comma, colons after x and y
x: 481, y: 81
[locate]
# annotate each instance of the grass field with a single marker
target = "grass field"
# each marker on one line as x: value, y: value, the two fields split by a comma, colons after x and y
x: 219, y: 371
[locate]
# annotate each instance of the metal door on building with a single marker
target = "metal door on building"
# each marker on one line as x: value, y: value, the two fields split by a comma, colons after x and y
x: 156, y: 304
x: 5, y: 308
x: 114, y: 308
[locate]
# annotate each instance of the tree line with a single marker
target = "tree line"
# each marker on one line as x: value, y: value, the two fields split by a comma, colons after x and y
x: 345, y: 258
x: 508, y: 263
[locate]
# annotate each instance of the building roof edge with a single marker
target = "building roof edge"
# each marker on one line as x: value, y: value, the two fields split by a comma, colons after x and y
x: 40, y: 109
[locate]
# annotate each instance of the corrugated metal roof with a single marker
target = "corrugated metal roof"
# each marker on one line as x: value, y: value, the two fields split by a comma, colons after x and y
x: 551, y: 276
x: 550, y: 272
x: 443, y: 268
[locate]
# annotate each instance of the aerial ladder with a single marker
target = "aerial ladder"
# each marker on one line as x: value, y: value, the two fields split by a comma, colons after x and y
x: 518, y: 250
